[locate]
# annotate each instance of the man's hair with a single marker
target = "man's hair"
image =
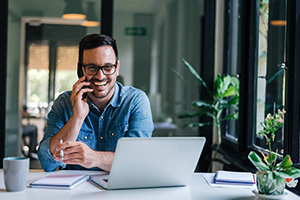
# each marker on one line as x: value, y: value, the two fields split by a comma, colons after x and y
x: 96, y: 40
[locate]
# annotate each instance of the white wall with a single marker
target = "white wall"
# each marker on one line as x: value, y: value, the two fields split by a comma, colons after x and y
x: 125, y: 45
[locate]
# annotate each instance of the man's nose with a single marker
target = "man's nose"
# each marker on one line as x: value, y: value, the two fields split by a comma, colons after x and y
x: 100, y: 74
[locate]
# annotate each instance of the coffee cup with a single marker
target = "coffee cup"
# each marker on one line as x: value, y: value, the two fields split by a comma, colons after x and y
x: 15, y: 171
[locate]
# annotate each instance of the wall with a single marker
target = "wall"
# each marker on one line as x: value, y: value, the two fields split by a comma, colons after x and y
x: 176, y: 35
x: 125, y: 45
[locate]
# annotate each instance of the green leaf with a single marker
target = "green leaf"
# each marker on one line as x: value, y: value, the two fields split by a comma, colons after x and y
x: 229, y: 92
x: 285, y: 163
x: 234, y: 100
x: 194, y: 72
x: 235, y: 82
x: 201, y: 104
x: 178, y: 75
x: 257, y: 162
x: 272, y: 158
x: 231, y: 116
x: 198, y: 124
x: 290, y: 172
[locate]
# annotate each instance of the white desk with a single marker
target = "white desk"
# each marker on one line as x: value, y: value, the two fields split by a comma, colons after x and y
x: 197, y: 189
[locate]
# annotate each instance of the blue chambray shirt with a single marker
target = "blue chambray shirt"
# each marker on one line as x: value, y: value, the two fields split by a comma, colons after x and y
x: 127, y: 115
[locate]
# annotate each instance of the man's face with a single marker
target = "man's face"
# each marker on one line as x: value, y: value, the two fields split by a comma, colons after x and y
x: 103, y: 85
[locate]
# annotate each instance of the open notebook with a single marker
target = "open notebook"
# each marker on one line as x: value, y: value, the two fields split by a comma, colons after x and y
x: 152, y: 162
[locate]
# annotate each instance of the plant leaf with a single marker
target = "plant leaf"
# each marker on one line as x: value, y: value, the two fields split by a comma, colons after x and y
x: 257, y: 162
x: 178, y: 75
x: 285, y: 163
x: 272, y: 158
x: 231, y: 116
x: 194, y: 72
x: 198, y: 124
x: 202, y: 104
x: 291, y: 172
x: 235, y: 82
x: 234, y: 100
x: 229, y: 92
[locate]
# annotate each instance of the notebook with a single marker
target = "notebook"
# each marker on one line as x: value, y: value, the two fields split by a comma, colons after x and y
x: 60, y: 181
x: 152, y: 162
x: 230, y: 177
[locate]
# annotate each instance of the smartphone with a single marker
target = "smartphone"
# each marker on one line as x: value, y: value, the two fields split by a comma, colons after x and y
x: 80, y: 74
x: 84, y: 94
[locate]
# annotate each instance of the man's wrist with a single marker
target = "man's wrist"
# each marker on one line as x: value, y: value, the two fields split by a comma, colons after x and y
x: 77, y: 119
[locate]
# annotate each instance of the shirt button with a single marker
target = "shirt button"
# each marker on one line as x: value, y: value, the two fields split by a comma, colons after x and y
x: 85, y: 137
x: 112, y: 134
x: 101, y: 117
x: 101, y: 138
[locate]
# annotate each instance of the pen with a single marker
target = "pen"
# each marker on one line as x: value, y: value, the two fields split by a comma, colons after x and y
x: 61, y: 151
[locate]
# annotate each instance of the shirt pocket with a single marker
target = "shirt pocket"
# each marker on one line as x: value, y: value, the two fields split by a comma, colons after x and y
x: 86, y: 135
x: 116, y: 133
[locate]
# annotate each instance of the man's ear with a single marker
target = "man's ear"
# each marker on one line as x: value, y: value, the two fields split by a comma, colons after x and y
x: 118, y: 66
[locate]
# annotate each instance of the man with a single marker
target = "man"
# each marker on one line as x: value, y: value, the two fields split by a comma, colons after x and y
x: 95, y: 114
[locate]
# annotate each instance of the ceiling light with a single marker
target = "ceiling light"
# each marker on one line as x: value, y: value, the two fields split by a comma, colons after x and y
x: 91, y: 19
x: 73, y: 10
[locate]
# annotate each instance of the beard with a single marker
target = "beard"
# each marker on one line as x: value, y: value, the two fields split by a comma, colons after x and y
x: 96, y: 94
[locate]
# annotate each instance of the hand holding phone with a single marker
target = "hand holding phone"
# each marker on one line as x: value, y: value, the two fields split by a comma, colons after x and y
x: 85, y: 94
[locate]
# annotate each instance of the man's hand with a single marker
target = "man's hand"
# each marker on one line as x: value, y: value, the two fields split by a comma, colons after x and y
x: 79, y: 153
x: 80, y: 106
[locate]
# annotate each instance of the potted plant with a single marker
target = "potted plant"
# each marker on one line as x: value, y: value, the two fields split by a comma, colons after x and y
x: 224, y: 95
x: 272, y: 176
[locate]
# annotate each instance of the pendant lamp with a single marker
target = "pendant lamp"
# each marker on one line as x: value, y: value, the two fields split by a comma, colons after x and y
x: 91, y: 18
x: 73, y: 10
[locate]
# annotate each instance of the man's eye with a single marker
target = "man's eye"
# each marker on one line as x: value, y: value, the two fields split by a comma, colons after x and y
x: 107, y: 67
x: 91, y: 68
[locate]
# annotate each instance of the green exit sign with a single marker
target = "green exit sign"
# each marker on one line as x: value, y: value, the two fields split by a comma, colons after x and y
x: 136, y: 31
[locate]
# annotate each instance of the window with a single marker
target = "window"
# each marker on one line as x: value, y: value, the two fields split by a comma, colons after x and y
x: 267, y: 52
x: 270, y: 66
x: 51, y: 63
x: 232, y: 54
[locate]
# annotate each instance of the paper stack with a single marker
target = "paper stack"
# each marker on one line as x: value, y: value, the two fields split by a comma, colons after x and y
x: 229, y: 177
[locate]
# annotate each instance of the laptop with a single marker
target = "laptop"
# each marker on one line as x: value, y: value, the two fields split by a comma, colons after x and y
x: 152, y: 162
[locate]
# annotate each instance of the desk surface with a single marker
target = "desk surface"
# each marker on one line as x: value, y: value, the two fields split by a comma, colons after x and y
x: 197, y: 189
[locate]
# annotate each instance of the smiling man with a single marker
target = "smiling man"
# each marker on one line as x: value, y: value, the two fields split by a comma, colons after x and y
x: 95, y: 114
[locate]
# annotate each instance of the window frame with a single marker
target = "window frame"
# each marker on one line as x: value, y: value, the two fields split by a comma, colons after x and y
x: 247, y: 111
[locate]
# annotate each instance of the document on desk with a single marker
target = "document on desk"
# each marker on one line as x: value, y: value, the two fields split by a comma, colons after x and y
x: 210, y: 179
x: 60, y: 181
x: 230, y: 177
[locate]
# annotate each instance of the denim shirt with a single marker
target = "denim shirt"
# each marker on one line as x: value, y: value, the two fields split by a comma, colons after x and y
x: 127, y: 115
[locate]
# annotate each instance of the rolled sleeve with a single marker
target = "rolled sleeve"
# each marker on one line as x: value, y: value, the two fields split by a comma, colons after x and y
x: 57, y: 118
x: 141, y: 122
x: 46, y: 159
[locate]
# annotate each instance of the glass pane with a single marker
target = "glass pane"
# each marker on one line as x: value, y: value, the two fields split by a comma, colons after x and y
x: 67, y: 56
x: 37, y: 76
x: 233, y: 57
x: 152, y: 39
x: 270, y: 67
x: 35, y: 31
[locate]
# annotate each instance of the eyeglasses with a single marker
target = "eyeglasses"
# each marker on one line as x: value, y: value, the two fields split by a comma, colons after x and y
x: 107, y: 69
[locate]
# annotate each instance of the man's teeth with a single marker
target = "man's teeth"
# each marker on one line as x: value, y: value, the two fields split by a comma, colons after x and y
x: 102, y: 83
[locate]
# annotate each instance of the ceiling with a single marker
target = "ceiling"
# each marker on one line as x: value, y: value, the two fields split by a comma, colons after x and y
x: 55, y: 7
